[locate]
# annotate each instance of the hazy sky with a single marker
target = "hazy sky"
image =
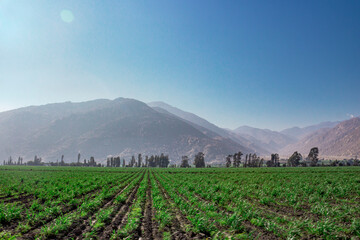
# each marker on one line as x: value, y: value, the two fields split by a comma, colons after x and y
x: 268, y: 64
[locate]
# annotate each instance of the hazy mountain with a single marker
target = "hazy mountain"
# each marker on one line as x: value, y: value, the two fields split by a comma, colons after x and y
x: 205, y: 131
x: 343, y: 140
x: 190, y: 117
x: 299, y: 133
x: 103, y: 127
x: 272, y: 141
x: 208, y: 128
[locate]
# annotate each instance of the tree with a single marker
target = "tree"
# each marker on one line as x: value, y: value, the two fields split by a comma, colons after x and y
x: 313, y: 156
x: 294, y: 160
x: 79, y: 155
x: 133, y: 161
x: 139, y: 160
x: 254, y: 161
x: 146, y: 161
x: 228, y: 161
x: 117, y: 161
x: 237, y: 159
x: 184, y: 162
x: 62, y: 163
x: 92, y: 162
x: 274, y: 162
x: 163, y: 161
x: 152, y: 161
x: 199, y: 160
x: 246, y: 160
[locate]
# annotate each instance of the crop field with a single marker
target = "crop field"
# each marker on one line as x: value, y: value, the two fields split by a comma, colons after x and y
x: 148, y: 203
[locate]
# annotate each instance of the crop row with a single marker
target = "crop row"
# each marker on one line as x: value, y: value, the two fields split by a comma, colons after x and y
x: 180, y: 204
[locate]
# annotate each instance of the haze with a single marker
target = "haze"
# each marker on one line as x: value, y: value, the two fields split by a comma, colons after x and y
x: 265, y: 64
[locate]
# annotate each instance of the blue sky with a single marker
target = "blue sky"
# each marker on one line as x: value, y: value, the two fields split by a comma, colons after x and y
x: 267, y: 64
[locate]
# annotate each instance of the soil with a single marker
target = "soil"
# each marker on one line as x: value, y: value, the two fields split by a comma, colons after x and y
x: 121, y: 215
x: 35, y: 229
x: 178, y: 226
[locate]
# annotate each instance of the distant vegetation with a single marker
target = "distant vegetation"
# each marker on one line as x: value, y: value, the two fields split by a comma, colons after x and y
x: 162, y: 161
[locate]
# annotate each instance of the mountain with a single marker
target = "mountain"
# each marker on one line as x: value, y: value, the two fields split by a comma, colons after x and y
x: 190, y: 117
x: 206, y: 127
x: 343, y: 140
x: 272, y: 141
x: 205, y: 131
x: 299, y: 133
x: 103, y: 127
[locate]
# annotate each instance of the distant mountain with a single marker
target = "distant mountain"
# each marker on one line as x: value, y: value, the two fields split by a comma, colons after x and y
x: 299, y: 133
x: 205, y: 131
x: 103, y: 127
x: 208, y: 128
x: 272, y: 141
x: 343, y: 140
x: 190, y: 117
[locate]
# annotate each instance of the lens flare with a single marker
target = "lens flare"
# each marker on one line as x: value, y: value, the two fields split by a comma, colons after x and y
x: 67, y: 16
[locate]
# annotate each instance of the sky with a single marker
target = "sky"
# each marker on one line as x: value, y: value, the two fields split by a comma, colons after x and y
x: 266, y: 64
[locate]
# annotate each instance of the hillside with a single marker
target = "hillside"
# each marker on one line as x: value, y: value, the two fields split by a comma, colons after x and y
x: 343, y: 140
x: 272, y: 141
x: 209, y: 128
x: 298, y: 133
x: 103, y: 127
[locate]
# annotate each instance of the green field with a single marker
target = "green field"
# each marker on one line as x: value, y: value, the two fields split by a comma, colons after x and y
x: 217, y: 203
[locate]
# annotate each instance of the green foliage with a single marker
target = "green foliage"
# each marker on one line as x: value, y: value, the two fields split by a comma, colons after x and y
x: 9, y: 212
x: 217, y: 203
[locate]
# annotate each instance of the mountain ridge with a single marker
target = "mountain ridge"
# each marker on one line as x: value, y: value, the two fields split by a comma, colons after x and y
x: 106, y: 127
x: 341, y: 141
x: 194, y: 119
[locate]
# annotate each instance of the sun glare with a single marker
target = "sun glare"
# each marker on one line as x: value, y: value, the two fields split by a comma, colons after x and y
x: 67, y: 16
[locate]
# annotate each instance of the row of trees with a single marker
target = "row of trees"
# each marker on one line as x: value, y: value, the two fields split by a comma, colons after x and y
x: 199, y: 161
x: 161, y: 161
x: 85, y: 163
x: 236, y: 159
x: 311, y: 160
x: 36, y: 162
x: 251, y: 160
x: 10, y: 161
x: 296, y: 159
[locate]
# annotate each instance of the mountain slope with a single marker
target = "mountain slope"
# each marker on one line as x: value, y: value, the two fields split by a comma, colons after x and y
x: 208, y: 128
x: 299, y: 133
x: 189, y: 117
x: 271, y: 140
x: 343, y: 140
x: 103, y: 127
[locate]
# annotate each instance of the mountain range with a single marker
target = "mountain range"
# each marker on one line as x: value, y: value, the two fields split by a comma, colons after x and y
x: 299, y: 133
x: 125, y: 127
x: 340, y: 141
x: 99, y: 128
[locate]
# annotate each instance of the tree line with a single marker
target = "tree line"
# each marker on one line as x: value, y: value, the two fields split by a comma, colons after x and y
x: 162, y: 161
x: 295, y: 160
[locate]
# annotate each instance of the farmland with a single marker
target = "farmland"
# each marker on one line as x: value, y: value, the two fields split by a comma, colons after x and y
x: 217, y: 203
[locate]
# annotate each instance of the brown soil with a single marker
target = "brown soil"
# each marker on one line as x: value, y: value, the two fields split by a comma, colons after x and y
x: 149, y: 227
x: 21, y: 197
x: 83, y: 225
x: 259, y: 232
x: 179, y: 223
x: 121, y: 214
x: 66, y: 210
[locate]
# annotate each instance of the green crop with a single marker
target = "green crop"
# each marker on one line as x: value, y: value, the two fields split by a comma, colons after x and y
x: 214, y: 203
